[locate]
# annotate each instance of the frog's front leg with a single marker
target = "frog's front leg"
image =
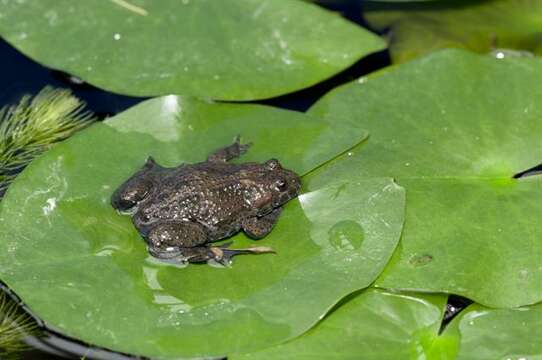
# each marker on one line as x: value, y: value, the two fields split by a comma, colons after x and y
x: 258, y: 227
x: 229, y: 152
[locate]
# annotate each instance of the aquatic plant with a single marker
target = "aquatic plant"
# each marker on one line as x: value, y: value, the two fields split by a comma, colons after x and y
x: 15, y: 324
x: 32, y: 126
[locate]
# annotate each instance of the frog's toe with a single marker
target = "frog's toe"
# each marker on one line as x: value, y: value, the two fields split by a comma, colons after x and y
x: 243, y: 148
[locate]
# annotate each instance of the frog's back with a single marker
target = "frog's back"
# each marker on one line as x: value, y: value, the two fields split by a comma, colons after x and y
x: 208, y: 193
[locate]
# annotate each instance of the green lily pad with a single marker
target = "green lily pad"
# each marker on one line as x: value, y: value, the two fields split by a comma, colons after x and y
x: 499, y: 333
x: 402, y: 1
x: 85, y: 270
x: 495, y: 27
x: 377, y: 324
x: 453, y: 129
x: 230, y: 49
x: 372, y: 325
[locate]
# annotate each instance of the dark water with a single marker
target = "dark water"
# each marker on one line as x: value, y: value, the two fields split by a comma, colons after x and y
x: 19, y: 75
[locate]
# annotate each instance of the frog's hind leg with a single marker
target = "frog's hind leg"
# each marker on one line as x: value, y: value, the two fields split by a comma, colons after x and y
x: 217, y: 254
x: 223, y: 254
x: 167, y: 240
x: 186, y: 241
x: 229, y: 152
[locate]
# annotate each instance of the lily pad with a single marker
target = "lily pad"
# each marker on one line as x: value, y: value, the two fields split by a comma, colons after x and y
x: 499, y: 333
x: 85, y: 270
x: 389, y: 325
x: 372, y: 325
x: 230, y: 49
x: 453, y: 129
x: 480, y: 26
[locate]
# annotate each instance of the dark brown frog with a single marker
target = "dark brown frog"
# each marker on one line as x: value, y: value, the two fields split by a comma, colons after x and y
x: 179, y: 211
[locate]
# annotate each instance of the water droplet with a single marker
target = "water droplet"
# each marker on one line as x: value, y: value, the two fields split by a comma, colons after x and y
x: 407, y: 164
x: 350, y: 153
x: 216, y: 77
x: 117, y: 36
x: 346, y: 235
x: 420, y: 260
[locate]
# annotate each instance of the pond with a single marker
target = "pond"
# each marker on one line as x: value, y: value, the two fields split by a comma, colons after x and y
x: 416, y: 228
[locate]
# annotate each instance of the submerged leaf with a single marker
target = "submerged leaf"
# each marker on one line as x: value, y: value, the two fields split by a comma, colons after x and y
x: 453, y: 129
x: 66, y: 245
x: 227, y: 49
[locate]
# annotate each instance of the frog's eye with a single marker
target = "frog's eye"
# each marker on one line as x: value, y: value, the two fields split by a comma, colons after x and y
x: 272, y: 164
x: 281, y: 185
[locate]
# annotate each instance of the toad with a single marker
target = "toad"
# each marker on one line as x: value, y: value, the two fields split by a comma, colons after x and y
x: 180, y: 211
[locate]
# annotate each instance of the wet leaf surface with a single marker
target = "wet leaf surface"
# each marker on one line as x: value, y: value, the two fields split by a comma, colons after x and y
x: 235, y: 50
x: 499, y: 334
x: 372, y: 325
x: 499, y: 27
x: 376, y: 324
x: 453, y: 129
x: 85, y: 270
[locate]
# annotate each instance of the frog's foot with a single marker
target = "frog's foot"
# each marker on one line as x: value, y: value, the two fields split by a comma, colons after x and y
x: 229, y: 152
x: 201, y: 254
x: 223, y: 254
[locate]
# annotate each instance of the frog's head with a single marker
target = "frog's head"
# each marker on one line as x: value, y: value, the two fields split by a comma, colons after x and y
x: 280, y: 185
x: 134, y: 190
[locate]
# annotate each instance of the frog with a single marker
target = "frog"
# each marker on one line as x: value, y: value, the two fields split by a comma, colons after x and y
x: 181, y: 211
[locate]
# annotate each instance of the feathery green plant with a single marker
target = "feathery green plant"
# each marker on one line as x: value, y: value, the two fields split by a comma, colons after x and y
x: 34, y: 125
x: 15, y: 324
x: 27, y: 129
